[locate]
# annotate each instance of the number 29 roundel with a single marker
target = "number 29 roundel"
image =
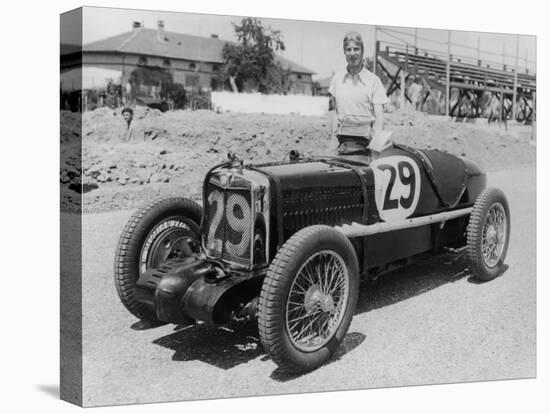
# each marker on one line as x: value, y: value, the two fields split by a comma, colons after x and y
x: 396, y: 186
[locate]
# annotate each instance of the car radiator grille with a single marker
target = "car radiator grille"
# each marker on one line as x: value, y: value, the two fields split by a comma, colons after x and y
x: 333, y: 207
x: 228, y: 224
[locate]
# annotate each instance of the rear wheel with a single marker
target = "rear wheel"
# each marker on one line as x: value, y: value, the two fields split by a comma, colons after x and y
x: 488, y: 234
x: 308, y: 298
x: 166, y: 229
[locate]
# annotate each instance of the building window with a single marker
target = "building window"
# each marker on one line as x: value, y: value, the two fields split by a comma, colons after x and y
x: 299, y: 76
x: 215, y: 68
x: 166, y: 63
x: 192, y: 66
x: 142, y: 61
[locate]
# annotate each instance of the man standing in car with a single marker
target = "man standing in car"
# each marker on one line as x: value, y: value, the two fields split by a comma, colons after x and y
x: 358, y: 97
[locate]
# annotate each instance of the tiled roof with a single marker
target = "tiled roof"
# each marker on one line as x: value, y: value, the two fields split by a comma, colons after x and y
x: 294, y: 67
x: 145, y: 41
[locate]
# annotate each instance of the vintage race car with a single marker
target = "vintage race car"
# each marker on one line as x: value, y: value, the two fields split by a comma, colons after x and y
x: 287, y: 243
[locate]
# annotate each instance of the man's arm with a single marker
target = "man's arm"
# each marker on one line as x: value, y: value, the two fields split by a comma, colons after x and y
x: 379, y: 119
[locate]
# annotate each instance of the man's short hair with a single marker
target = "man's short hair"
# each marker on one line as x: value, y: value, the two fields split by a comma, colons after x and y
x: 129, y: 110
x: 354, y: 37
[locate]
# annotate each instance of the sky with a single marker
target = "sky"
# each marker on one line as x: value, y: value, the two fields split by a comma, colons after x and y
x: 315, y: 45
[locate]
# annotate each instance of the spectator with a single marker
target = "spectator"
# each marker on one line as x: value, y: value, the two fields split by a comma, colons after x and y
x: 415, y: 93
x: 132, y: 132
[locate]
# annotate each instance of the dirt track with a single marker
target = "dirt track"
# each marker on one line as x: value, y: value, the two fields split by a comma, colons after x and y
x: 428, y: 323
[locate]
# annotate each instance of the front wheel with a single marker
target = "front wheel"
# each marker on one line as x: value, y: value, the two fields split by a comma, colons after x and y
x: 308, y: 298
x: 166, y: 229
x: 488, y: 234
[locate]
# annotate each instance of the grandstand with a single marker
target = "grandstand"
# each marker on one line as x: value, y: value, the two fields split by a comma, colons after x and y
x: 460, y: 86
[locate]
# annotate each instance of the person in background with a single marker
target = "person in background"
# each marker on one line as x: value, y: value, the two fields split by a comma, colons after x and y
x: 415, y: 93
x: 358, y: 96
x: 128, y: 115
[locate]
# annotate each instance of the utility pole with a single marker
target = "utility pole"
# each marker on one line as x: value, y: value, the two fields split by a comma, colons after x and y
x: 375, y: 57
x: 514, y: 99
x: 478, y: 51
x: 407, y: 58
x: 534, y: 123
x: 448, y: 80
x: 404, y: 74
x: 402, y: 96
x: 302, y: 48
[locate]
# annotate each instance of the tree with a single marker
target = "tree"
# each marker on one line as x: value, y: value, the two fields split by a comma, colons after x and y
x: 151, y: 76
x: 253, y: 58
x: 159, y: 77
x: 278, y: 79
x: 178, y: 95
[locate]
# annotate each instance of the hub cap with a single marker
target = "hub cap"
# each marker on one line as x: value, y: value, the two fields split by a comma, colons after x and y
x: 317, y: 301
x: 171, y: 239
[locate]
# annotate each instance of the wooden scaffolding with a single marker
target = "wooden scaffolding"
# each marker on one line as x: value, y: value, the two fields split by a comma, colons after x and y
x: 470, y: 88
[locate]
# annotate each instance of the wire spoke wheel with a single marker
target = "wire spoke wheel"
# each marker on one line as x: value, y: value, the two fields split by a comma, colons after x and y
x: 308, y: 298
x: 317, y: 301
x: 494, y: 235
x: 488, y: 234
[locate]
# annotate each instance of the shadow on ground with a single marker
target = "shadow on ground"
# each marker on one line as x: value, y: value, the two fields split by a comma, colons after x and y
x: 349, y: 343
x: 50, y: 389
x: 224, y: 348
x: 407, y: 282
x: 227, y: 348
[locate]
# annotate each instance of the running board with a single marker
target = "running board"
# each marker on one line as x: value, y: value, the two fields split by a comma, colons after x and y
x: 357, y: 230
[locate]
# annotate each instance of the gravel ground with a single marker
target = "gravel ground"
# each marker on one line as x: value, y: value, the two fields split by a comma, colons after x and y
x: 426, y: 324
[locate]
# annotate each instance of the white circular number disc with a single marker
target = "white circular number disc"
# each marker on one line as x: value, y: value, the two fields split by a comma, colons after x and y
x: 396, y: 186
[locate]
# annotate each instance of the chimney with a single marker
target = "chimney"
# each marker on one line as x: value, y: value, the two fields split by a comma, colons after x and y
x: 214, y: 36
x: 136, y: 25
x: 160, y: 31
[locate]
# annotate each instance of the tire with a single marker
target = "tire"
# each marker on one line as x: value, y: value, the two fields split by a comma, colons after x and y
x: 280, y: 319
x: 165, y: 229
x: 488, y: 234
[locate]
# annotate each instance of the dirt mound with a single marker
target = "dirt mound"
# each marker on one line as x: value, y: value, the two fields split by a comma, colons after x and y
x: 70, y: 127
x: 173, y: 150
x: 408, y: 117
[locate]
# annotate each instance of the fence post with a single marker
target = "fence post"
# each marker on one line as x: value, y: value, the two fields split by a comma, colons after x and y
x: 407, y: 57
x: 448, y: 87
x: 501, y: 114
x: 448, y: 76
x: 402, y: 104
x: 534, y: 122
x: 375, y: 57
x: 514, y: 98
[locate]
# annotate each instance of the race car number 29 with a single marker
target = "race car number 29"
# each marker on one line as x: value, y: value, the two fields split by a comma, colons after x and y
x: 397, y: 186
x: 237, y: 216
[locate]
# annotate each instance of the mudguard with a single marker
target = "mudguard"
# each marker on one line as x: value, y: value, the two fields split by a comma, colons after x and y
x: 182, y: 291
x: 210, y: 301
x: 161, y: 289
